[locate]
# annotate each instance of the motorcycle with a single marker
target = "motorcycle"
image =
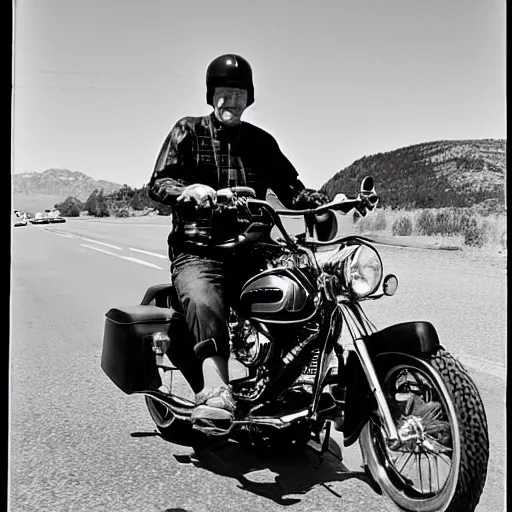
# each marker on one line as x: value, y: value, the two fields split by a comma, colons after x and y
x: 412, y: 406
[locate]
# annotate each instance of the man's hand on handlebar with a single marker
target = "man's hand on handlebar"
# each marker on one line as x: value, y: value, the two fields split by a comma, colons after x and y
x: 198, y: 194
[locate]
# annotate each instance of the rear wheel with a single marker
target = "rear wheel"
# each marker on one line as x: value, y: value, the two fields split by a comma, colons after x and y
x: 442, y: 464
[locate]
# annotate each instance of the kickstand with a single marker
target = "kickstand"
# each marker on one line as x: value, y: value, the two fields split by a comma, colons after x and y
x: 327, y: 438
x: 324, y: 447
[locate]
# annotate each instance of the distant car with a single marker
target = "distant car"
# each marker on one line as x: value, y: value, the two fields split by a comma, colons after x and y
x: 56, y: 220
x: 19, y: 219
x: 39, y: 219
x: 54, y: 217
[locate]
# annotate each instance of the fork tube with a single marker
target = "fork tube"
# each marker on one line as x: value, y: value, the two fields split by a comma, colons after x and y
x: 359, y: 326
x: 360, y: 315
x: 332, y: 334
x: 382, y: 404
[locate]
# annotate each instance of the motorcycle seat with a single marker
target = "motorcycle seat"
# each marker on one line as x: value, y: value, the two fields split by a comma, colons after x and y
x: 139, y: 314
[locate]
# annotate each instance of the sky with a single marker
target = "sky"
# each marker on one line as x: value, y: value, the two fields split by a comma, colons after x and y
x: 98, y: 84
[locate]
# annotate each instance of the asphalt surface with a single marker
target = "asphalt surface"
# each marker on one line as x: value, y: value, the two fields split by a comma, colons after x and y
x: 77, y: 443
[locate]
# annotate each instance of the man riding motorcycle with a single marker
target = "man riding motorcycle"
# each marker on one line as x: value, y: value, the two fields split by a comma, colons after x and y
x: 200, y: 156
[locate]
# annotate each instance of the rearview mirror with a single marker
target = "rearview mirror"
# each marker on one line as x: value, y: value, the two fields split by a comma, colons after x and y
x: 368, y: 193
x: 368, y: 186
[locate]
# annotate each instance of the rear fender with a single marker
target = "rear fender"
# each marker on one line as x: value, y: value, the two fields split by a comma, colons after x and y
x: 414, y: 338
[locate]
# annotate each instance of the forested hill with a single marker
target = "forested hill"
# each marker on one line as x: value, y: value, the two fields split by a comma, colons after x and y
x: 431, y: 175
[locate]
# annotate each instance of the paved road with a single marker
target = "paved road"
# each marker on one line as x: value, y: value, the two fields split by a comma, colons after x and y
x: 79, y: 444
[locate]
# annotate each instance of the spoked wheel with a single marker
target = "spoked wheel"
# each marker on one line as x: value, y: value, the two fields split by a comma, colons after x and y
x: 441, y: 465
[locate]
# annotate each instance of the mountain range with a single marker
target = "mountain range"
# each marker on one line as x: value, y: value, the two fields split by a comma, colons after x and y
x: 37, y: 191
x: 60, y: 182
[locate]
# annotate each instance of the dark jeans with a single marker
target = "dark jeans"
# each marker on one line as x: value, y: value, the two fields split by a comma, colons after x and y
x: 205, y: 288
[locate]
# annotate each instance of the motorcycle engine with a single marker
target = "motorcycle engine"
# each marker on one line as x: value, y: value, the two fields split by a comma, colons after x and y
x: 250, y: 345
x: 251, y: 342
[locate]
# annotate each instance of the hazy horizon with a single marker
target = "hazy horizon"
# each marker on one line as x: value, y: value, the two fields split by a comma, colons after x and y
x: 98, y: 84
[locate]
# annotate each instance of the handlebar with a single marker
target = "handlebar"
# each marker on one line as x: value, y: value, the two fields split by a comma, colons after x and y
x: 243, y: 239
x: 344, y: 206
x: 362, y: 203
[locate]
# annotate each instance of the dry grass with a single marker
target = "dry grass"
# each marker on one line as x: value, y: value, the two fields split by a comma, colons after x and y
x: 455, y: 226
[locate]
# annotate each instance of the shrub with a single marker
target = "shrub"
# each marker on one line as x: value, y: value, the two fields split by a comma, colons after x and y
x: 374, y: 221
x: 446, y: 223
x: 464, y: 221
x: 402, y: 226
x: 380, y: 220
x: 425, y: 224
x: 96, y: 204
x: 486, y: 231
x: 71, y: 207
x: 474, y: 236
x: 73, y: 211
x: 123, y: 213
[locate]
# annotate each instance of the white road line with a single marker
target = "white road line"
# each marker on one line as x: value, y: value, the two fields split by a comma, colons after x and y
x: 100, y: 250
x: 117, y: 248
x: 61, y: 234
x: 101, y: 243
x: 148, y: 253
x: 141, y: 262
x: 127, y: 258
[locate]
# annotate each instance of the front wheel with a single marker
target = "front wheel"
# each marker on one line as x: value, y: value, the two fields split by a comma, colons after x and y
x: 442, y: 463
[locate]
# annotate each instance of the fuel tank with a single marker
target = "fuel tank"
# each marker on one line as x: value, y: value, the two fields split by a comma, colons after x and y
x: 280, y: 296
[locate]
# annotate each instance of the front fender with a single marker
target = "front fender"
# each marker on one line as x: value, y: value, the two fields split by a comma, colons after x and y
x: 414, y: 338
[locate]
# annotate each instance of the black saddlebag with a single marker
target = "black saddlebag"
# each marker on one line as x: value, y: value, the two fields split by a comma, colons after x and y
x: 127, y: 357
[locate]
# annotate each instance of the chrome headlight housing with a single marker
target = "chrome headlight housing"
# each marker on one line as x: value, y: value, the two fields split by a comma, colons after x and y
x: 358, y: 268
x: 363, y: 271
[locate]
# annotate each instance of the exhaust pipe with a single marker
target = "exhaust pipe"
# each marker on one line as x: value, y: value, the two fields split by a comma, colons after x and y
x: 180, y: 407
x: 182, y: 410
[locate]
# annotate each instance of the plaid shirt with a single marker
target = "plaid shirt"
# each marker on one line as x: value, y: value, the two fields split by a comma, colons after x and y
x: 202, y: 150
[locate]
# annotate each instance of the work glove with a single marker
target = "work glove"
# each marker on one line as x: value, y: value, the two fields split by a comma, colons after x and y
x: 196, y: 197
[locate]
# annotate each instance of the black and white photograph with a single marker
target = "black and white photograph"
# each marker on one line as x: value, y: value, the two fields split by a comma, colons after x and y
x: 258, y: 256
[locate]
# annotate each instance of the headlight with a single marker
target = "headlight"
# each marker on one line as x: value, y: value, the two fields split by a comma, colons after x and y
x: 358, y: 268
x: 362, y: 271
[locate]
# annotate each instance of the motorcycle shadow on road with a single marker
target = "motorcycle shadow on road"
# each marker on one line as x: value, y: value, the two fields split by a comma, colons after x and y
x: 279, y: 477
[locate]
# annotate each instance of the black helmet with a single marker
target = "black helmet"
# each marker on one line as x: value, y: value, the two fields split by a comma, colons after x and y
x: 229, y: 70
